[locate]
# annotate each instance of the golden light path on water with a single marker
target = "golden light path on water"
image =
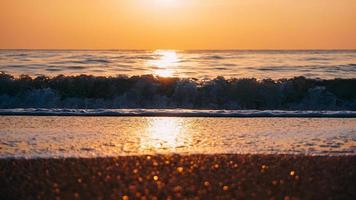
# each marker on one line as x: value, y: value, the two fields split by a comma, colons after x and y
x: 164, y: 133
x: 166, y: 63
x: 35, y: 136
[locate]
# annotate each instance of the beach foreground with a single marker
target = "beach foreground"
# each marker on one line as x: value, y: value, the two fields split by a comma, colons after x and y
x: 180, y: 176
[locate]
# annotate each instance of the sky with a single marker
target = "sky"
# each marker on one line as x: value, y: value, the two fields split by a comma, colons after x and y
x: 178, y: 24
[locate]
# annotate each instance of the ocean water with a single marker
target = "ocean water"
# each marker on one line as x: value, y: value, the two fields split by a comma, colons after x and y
x: 48, y: 137
x: 264, y: 102
x: 193, y: 64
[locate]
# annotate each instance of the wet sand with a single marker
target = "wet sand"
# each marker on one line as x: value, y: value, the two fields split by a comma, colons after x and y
x: 180, y: 177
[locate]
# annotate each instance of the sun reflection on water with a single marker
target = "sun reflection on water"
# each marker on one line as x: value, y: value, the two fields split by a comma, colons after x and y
x: 114, y: 136
x: 166, y: 63
x: 163, y: 134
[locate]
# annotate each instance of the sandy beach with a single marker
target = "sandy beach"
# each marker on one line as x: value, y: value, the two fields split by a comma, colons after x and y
x: 180, y: 177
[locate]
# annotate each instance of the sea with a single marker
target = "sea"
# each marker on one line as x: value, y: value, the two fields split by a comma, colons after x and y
x: 99, y: 103
x: 200, y: 64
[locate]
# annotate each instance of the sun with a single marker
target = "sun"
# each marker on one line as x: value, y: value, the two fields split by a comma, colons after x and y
x: 166, y: 2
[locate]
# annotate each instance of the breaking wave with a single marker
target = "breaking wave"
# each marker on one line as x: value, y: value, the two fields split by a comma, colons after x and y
x: 152, y: 92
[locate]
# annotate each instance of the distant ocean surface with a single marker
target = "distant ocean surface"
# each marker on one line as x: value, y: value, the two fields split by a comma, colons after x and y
x: 193, y: 64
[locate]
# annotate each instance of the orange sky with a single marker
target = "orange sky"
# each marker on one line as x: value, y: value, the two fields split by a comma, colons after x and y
x: 178, y: 24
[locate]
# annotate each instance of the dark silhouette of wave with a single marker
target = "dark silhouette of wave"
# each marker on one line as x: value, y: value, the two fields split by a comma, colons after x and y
x: 148, y: 91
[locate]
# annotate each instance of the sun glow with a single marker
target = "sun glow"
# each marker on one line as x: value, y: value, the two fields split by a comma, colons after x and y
x: 166, y: 63
x: 166, y: 2
x: 178, y: 24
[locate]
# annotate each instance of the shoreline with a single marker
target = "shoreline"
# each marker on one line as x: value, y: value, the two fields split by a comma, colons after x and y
x: 173, y: 176
x: 217, y: 113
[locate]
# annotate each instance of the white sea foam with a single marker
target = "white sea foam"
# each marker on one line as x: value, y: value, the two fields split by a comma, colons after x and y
x: 175, y: 113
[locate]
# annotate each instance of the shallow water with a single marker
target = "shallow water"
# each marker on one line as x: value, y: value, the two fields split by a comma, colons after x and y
x: 193, y: 64
x: 35, y: 136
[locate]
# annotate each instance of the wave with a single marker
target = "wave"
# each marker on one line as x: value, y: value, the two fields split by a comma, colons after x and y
x: 153, y: 92
x: 175, y: 113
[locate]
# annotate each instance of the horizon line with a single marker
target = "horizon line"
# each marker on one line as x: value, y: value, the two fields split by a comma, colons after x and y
x: 172, y: 49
